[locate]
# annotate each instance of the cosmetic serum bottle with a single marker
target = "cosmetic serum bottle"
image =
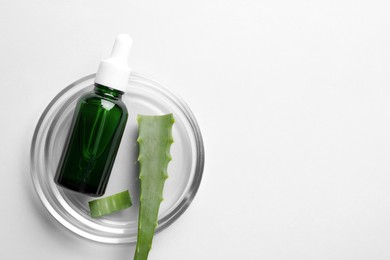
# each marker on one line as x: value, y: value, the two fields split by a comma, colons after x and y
x: 97, y: 126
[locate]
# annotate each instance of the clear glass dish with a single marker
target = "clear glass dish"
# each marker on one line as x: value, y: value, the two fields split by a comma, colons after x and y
x: 143, y: 96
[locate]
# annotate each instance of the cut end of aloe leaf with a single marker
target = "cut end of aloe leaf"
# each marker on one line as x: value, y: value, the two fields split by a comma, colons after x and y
x: 108, y: 205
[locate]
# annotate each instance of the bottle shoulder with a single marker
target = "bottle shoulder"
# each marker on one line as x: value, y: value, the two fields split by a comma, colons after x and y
x: 94, y: 99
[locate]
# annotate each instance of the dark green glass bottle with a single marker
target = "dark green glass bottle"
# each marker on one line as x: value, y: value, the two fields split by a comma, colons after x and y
x: 93, y: 142
x: 97, y: 126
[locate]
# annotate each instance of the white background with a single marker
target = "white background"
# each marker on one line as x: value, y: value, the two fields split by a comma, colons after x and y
x: 292, y: 97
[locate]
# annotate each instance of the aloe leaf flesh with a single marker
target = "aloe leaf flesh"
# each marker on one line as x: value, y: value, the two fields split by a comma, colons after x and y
x: 154, y: 140
x: 111, y: 204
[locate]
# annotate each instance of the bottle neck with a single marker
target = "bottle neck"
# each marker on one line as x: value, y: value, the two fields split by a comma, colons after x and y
x: 108, y: 92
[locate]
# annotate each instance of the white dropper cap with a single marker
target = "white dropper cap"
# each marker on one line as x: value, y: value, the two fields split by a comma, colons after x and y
x: 114, y: 72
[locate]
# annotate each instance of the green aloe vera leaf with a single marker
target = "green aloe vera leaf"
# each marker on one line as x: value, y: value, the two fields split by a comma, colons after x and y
x: 111, y: 204
x: 154, y: 139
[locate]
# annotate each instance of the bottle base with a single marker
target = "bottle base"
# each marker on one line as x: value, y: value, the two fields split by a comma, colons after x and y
x: 83, y: 188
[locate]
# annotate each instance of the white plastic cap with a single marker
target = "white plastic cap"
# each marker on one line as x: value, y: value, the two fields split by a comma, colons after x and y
x: 114, y: 72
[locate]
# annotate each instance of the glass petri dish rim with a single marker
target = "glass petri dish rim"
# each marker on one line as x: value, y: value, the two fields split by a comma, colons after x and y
x: 167, y: 220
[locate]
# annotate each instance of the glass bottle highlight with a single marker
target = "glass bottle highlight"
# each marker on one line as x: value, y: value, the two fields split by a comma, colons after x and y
x: 97, y: 127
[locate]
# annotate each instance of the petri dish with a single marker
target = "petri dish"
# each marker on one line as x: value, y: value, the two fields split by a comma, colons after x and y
x: 143, y: 96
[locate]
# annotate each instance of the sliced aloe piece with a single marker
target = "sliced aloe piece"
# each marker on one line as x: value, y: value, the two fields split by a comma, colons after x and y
x: 111, y: 204
x: 154, y: 139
